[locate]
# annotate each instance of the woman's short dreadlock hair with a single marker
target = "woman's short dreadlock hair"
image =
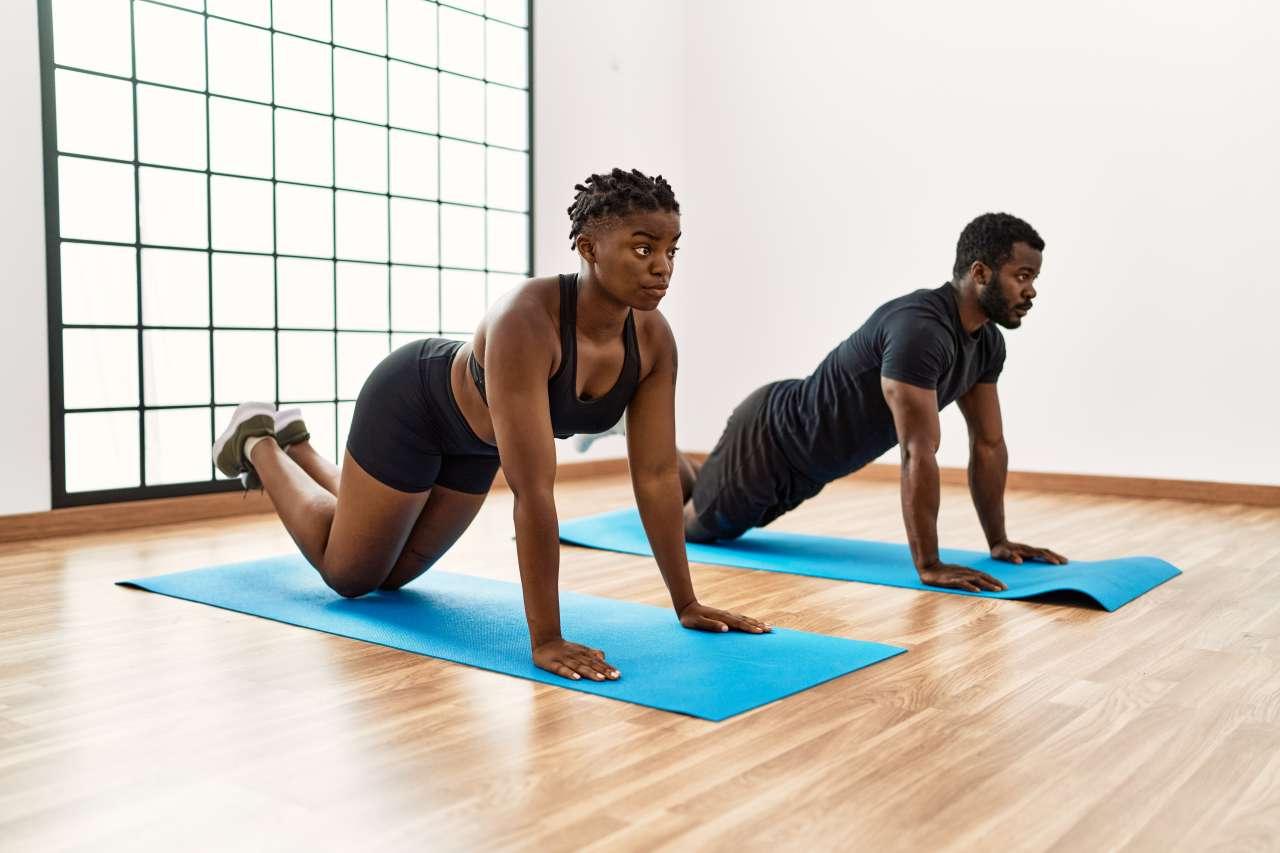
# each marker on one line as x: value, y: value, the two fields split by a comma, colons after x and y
x: 990, y: 239
x: 618, y: 193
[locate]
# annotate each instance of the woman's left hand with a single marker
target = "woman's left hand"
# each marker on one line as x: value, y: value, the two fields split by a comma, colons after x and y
x: 699, y: 617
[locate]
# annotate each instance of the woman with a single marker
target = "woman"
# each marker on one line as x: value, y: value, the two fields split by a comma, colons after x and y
x: 558, y: 356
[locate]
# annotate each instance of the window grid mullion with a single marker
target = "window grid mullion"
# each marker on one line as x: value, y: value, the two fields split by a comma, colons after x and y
x: 333, y: 167
x: 208, y: 215
x: 386, y: 35
x: 439, y: 191
x: 275, y: 231
x: 484, y: 105
x: 137, y: 253
x: 216, y: 174
x: 303, y: 110
x: 258, y: 254
x: 177, y: 88
x: 334, y: 45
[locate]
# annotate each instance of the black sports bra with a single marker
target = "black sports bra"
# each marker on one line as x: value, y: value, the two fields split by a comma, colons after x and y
x: 569, y: 415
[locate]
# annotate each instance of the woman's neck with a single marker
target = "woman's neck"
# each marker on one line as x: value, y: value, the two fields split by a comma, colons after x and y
x: 600, y: 314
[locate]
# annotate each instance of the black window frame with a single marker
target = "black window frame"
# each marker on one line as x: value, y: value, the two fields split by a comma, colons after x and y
x: 61, y: 498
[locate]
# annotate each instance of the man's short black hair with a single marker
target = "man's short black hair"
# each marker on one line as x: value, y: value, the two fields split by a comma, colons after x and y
x: 990, y: 239
x: 618, y: 193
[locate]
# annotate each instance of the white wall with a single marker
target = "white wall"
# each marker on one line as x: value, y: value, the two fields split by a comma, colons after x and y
x: 24, y: 370
x: 609, y: 84
x: 826, y: 156
x: 836, y: 150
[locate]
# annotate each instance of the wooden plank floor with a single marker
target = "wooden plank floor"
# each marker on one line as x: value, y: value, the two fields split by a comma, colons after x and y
x: 134, y: 721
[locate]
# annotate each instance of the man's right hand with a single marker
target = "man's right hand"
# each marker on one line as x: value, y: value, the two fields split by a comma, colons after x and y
x: 959, y: 577
x: 573, y: 661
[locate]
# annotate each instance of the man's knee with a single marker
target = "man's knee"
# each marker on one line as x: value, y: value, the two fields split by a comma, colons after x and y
x: 688, y: 471
x: 693, y: 529
x: 696, y: 531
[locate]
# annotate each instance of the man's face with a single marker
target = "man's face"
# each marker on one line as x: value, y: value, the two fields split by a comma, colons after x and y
x: 1006, y: 296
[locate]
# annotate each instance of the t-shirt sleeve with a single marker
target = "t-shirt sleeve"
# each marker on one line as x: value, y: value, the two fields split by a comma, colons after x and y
x: 995, y: 359
x: 915, y: 349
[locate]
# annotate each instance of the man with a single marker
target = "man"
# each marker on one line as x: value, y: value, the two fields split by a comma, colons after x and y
x: 882, y: 386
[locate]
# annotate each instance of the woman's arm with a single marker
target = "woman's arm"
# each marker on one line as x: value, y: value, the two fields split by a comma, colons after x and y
x: 651, y: 448
x: 518, y: 358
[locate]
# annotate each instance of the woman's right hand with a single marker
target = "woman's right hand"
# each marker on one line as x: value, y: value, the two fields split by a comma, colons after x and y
x: 573, y: 661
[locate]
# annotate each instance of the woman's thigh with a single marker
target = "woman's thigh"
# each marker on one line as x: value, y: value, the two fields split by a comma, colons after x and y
x: 447, y: 514
x: 371, y: 524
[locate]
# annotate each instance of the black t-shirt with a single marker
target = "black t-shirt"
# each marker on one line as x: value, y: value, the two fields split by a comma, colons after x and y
x: 836, y: 420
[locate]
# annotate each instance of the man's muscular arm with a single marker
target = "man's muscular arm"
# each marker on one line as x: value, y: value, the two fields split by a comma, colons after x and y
x: 988, y: 471
x: 915, y: 416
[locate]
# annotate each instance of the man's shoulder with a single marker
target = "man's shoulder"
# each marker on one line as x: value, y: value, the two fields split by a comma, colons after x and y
x: 912, y: 318
x: 925, y: 302
x: 918, y: 311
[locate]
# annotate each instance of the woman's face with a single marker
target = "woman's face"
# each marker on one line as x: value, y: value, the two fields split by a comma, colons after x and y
x: 633, y: 256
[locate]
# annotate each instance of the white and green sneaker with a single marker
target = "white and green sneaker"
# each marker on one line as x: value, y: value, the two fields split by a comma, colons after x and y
x: 290, y: 430
x: 247, y: 421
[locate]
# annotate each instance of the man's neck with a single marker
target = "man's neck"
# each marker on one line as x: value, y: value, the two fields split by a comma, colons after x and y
x: 972, y: 317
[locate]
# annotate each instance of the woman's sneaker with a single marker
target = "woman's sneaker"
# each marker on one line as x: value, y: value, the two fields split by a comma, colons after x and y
x: 249, y: 420
x: 290, y: 430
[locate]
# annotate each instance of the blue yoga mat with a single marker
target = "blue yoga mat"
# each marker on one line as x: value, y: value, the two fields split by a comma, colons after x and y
x: 480, y: 622
x: 1111, y: 583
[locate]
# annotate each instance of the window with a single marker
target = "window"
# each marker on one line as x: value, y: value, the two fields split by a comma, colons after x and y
x: 258, y: 200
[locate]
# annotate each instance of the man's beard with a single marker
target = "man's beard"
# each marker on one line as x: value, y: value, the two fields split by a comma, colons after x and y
x: 997, y: 308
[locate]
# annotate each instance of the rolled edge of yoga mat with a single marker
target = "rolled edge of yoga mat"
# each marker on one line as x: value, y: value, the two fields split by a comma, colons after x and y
x: 1111, y: 583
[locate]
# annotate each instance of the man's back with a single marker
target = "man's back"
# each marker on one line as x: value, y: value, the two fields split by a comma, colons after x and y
x: 836, y: 420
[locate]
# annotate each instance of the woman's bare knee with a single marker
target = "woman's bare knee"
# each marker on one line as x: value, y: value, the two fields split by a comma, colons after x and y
x: 391, y: 585
x: 410, y: 566
x: 347, y: 589
x: 350, y: 580
x: 351, y: 589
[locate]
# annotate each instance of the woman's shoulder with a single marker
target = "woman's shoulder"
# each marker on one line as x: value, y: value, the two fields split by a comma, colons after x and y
x: 527, y: 314
x: 655, y: 340
x: 652, y: 326
x: 528, y: 301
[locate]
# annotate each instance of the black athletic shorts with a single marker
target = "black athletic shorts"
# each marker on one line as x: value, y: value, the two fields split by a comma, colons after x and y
x: 746, y: 482
x: 407, y: 430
